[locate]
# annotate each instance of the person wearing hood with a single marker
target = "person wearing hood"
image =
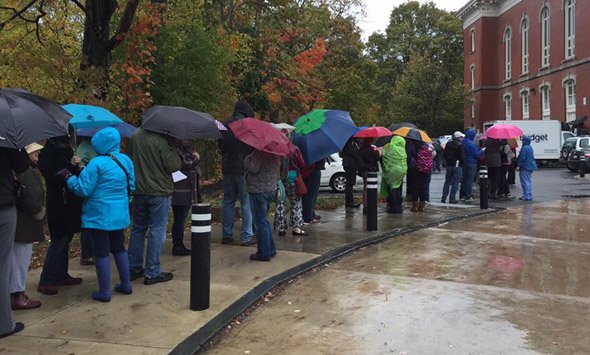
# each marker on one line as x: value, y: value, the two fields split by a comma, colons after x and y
x: 86, y: 153
x: 472, y: 154
x: 395, y: 166
x: 454, y: 159
x: 526, y: 165
x: 63, y: 214
x: 30, y: 208
x: 106, y: 184
x: 233, y: 154
x: 494, y: 163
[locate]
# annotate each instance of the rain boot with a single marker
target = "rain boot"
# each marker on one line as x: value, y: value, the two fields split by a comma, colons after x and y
x: 421, y: 206
x: 122, y: 261
x: 103, y: 273
x: 414, y: 206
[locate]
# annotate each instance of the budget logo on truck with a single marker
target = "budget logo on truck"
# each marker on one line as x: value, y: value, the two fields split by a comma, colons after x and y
x: 537, y: 138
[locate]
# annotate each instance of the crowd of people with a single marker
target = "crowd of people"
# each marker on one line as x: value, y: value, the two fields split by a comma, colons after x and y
x: 99, y: 190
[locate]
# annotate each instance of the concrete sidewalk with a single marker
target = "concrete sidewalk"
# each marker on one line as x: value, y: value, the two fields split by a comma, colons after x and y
x: 155, y: 319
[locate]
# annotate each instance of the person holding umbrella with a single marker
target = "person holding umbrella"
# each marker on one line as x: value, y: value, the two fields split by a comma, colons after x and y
x: 526, y: 165
x: 351, y: 164
x: 86, y: 153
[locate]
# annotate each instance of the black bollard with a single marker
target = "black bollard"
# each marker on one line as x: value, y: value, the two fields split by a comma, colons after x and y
x: 372, y: 185
x: 582, y: 166
x: 200, y: 256
x: 484, y: 187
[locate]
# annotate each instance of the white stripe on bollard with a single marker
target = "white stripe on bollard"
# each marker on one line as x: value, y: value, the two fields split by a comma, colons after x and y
x: 201, y: 229
x: 201, y: 217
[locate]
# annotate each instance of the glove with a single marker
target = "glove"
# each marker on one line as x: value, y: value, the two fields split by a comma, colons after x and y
x: 64, y: 174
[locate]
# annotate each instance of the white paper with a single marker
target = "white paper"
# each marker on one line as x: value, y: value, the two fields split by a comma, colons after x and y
x: 178, y: 176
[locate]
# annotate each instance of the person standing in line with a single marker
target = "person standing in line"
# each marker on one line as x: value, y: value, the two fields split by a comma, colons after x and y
x: 507, y: 157
x: 155, y: 158
x: 395, y: 167
x: 12, y: 162
x: 350, y: 163
x: 370, y: 161
x: 106, y: 185
x: 438, y: 158
x: 64, y: 211
x: 262, y: 173
x: 494, y: 164
x: 454, y: 159
x: 185, y: 192
x: 233, y: 152
x: 526, y: 165
x: 472, y: 154
x: 86, y: 153
x: 312, y: 181
x: 419, y: 172
x: 30, y: 207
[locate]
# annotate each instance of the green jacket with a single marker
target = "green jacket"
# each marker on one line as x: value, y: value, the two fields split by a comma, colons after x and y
x: 86, y: 152
x: 394, y: 163
x: 154, y: 160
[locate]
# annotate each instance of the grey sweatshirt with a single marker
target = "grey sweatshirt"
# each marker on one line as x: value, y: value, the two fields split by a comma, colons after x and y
x: 262, y: 172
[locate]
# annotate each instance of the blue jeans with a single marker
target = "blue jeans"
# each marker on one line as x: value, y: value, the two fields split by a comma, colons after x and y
x: 87, y: 244
x: 526, y: 177
x: 452, y: 180
x: 469, y: 171
x: 234, y: 189
x: 149, y: 212
x: 309, y: 199
x: 260, y: 205
x: 55, y: 266
x: 180, y: 213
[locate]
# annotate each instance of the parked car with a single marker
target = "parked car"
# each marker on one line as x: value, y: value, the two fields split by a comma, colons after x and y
x: 574, y: 151
x: 444, y: 139
x: 334, y: 176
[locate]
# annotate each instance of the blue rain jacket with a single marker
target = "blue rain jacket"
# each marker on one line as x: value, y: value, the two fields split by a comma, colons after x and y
x: 471, y: 151
x: 103, y: 184
x: 526, y: 158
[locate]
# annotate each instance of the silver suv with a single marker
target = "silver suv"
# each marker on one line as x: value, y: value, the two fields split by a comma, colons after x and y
x: 574, y: 150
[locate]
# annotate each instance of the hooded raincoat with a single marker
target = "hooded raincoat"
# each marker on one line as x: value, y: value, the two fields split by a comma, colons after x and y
x: 526, y: 158
x: 395, y: 164
x: 103, y: 184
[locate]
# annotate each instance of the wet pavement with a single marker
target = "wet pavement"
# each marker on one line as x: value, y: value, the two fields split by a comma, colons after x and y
x: 515, y: 282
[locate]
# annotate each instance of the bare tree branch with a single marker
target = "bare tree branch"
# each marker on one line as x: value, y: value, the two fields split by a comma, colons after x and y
x: 17, y: 13
x: 124, y: 25
x: 79, y: 4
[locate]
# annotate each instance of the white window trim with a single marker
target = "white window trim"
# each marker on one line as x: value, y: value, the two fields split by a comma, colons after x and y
x: 507, y: 98
x: 525, y: 94
x: 524, y: 38
x: 472, y: 76
x: 545, y: 111
x: 472, y: 39
x: 508, y: 53
x: 545, y: 47
x: 570, y: 38
x: 570, y: 109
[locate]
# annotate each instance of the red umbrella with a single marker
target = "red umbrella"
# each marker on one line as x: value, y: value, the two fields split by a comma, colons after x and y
x: 503, y: 131
x: 262, y: 136
x: 373, y: 132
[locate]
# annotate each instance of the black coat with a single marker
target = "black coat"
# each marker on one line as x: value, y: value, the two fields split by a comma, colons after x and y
x: 233, y: 151
x: 454, y: 152
x: 493, y: 153
x: 187, y: 191
x: 64, y: 209
x: 350, y: 155
x: 30, y: 207
x: 11, y: 161
x: 370, y: 158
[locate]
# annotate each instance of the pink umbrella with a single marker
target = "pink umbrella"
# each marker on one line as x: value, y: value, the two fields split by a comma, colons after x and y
x: 262, y: 136
x: 373, y: 132
x: 503, y: 131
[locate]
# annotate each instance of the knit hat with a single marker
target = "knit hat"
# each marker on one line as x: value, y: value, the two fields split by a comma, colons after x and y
x: 33, y: 147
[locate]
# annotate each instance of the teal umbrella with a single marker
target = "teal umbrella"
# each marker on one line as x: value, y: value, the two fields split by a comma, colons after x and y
x: 88, y: 116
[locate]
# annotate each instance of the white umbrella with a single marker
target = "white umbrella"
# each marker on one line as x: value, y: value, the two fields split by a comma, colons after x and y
x: 281, y: 126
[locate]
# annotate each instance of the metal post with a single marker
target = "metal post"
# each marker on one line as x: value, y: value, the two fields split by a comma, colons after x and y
x: 372, y: 185
x: 582, y: 166
x: 200, y: 256
x: 484, y: 187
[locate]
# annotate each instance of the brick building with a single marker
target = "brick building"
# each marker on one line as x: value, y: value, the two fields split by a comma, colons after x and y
x: 526, y: 60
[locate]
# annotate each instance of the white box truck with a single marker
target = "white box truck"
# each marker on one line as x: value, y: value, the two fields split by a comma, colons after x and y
x: 546, y: 137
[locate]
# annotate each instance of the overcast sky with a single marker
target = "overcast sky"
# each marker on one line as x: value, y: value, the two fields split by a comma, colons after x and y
x: 378, y: 11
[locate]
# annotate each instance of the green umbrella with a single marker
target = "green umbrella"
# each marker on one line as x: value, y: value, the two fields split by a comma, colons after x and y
x: 310, y: 122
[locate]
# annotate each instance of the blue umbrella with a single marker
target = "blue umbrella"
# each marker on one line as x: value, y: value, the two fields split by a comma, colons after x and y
x: 335, y: 128
x: 125, y: 129
x: 87, y: 116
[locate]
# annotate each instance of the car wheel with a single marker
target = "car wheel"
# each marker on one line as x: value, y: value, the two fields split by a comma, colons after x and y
x: 338, y: 182
x: 564, y: 153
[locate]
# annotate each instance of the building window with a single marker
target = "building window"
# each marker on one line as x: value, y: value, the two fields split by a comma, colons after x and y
x: 508, y: 53
x: 508, y: 107
x: 570, y: 100
x: 545, y: 37
x: 524, y: 95
x: 472, y: 109
x: 546, y: 101
x: 570, y: 28
x: 472, y: 77
x: 524, y: 30
x: 472, y: 33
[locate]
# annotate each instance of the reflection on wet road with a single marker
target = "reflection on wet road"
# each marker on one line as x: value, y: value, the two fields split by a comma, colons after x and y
x: 514, y: 282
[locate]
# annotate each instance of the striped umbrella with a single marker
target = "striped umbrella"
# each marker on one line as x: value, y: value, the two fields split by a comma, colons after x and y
x: 412, y: 133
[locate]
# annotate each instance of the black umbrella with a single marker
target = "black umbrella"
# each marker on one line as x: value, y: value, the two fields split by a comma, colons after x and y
x: 394, y: 126
x: 180, y: 123
x: 26, y: 118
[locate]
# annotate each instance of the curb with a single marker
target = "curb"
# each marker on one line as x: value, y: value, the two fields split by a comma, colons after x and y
x: 196, y: 341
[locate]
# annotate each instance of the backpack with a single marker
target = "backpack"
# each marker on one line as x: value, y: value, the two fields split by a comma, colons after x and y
x: 424, y: 160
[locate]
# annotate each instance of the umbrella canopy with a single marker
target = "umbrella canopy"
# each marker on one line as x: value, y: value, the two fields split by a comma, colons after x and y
x: 323, y: 132
x: 373, y: 132
x: 262, y: 136
x: 87, y: 116
x: 180, y: 123
x: 413, y: 133
x: 26, y: 118
x: 281, y: 126
x: 394, y: 126
x: 503, y: 131
x: 125, y: 130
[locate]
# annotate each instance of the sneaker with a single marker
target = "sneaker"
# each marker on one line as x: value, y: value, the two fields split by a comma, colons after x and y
x: 136, y: 274
x: 469, y: 199
x: 442, y: 200
x: 89, y: 260
x: 163, y: 277
x: 257, y: 257
x: 453, y: 202
x: 227, y: 240
x: 248, y: 243
x: 180, y: 251
x: 18, y: 327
